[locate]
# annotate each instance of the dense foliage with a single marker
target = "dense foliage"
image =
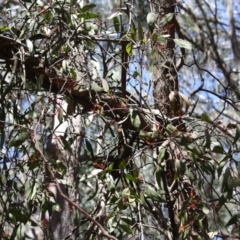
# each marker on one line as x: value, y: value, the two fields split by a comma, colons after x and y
x: 97, y: 137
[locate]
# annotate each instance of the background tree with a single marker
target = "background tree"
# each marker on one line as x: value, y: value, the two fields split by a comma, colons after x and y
x: 92, y: 147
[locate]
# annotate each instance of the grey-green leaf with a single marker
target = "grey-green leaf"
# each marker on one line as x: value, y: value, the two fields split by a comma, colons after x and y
x: 189, y: 22
x: 183, y: 43
x: 105, y: 85
x: 135, y: 119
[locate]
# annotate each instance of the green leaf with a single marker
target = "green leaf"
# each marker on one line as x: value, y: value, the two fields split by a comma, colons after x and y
x: 172, y: 130
x: 126, y: 228
x: 218, y: 149
x: 89, y: 148
x: 87, y: 7
x: 20, y: 139
x: 183, y: 43
x: 129, y: 48
x: 154, y: 37
x: 126, y: 219
x: 205, y: 118
x: 153, y: 194
x: 208, y: 139
x: 73, y: 73
x: 158, y: 175
x: 233, y: 220
x: 135, y: 74
x: 60, y: 115
x: 226, y: 176
x: 189, y: 22
x: 167, y: 18
x: 30, y: 189
x: 237, y: 135
x: 4, y: 28
x: 130, y: 177
x: 140, y: 32
x: 135, y: 119
x: 88, y: 15
x: 73, y: 2
x: 161, y: 156
x: 151, y: 19
x: 116, y: 24
x: 123, y: 164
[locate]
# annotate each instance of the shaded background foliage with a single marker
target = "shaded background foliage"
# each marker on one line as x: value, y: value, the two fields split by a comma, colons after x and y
x: 90, y: 148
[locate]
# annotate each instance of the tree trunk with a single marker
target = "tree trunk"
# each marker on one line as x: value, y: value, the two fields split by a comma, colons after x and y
x: 163, y: 70
x: 165, y: 80
x: 61, y: 223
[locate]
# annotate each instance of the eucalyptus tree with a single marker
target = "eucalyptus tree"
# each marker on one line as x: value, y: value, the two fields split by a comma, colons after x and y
x: 92, y: 147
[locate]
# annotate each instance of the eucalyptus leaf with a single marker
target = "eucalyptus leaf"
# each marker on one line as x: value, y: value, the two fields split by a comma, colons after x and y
x: 183, y: 43
x: 135, y: 118
x: 190, y: 23
x: 105, y: 85
x: 20, y: 139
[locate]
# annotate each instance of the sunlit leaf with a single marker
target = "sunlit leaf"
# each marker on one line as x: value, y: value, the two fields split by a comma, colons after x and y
x: 129, y: 48
x: 166, y: 18
x: 183, y: 43
x: 93, y: 173
x: 21, y: 232
x: 205, y: 117
x: 95, y: 87
x: 4, y: 28
x: 135, y: 119
x: 105, y: 85
x: 115, y: 14
x: 206, y: 209
x: 60, y: 115
x: 177, y: 169
x: 29, y: 45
